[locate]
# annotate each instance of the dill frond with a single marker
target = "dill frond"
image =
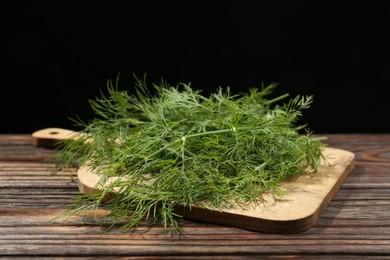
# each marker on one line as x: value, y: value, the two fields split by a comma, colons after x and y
x: 176, y: 147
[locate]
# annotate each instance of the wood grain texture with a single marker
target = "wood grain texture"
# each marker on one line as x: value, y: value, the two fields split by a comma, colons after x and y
x: 355, y: 225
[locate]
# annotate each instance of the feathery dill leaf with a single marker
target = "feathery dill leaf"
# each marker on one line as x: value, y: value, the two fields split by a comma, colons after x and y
x: 178, y: 147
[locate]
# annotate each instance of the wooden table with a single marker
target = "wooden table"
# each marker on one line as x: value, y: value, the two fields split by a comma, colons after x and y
x: 356, y: 224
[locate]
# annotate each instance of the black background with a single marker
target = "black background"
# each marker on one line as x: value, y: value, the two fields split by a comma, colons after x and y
x: 59, y: 54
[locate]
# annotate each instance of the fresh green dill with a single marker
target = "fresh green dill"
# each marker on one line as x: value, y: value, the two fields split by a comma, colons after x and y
x: 171, y: 146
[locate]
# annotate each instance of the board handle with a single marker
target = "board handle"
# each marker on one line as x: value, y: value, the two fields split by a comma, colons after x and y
x: 46, y: 138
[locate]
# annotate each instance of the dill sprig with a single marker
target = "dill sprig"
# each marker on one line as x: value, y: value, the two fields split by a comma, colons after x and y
x: 171, y: 146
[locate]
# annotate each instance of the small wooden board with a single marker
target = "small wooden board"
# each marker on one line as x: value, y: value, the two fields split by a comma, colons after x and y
x: 298, y: 210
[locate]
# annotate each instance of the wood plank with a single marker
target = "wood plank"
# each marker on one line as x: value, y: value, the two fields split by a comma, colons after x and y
x: 331, y: 219
x: 356, y: 223
x: 150, y: 249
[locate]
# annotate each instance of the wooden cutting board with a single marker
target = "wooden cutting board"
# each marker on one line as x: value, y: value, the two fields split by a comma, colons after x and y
x: 305, y: 198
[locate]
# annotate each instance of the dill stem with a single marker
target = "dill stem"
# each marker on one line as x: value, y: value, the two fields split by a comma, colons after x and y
x: 277, y: 99
x: 190, y: 136
x: 183, y: 157
x: 211, y: 132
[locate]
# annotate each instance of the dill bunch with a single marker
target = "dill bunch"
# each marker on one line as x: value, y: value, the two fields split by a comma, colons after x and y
x: 170, y: 146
